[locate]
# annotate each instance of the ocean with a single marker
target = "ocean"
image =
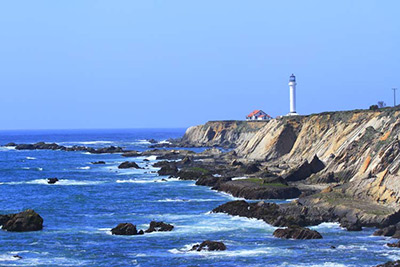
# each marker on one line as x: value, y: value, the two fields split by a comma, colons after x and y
x: 80, y: 210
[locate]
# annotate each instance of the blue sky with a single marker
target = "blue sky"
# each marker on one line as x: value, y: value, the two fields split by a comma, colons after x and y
x: 127, y: 64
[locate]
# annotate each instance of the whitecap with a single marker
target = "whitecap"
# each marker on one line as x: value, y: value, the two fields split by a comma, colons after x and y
x: 185, y: 200
x: 84, y: 168
x: 7, y: 257
x: 136, y: 181
x: 30, y: 158
x: 39, y: 169
x: 186, y: 250
x: 164, y: 142
x: 59, y: 182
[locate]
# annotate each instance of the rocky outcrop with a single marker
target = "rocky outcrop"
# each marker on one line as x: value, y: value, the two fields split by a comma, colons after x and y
x: 209, y: 246
x: 132, y: 153
x: 221, y: 133
x: 254, y: 188
x: 25, y: 221
x: 168, y: 169
x: 52, y: 180
x: 297, y: 233
x: 126, y: 229
x: 390, y: 264
x: 391, y: 230
x: 128, y: 165
x: 98, y: 162
x: 159, y: 227
x: 305, y: 170
x: 54, y: 146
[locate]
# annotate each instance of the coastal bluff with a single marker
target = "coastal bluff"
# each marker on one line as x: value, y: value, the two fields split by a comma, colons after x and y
x: 360, y: 149
x: 228, y: 134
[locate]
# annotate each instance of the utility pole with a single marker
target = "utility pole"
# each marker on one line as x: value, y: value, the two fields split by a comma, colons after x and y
x: 394, y: 95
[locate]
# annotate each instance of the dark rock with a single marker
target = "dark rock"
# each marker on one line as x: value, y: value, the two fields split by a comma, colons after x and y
x: 394, y: 245
x: 169, y: 169
x: 282, y: 215
x: 235, y: 162
x: 25, y: 221
x: 305, y: 170
x: 258, y: 189
x: 128, y: 165
x: 251, y: 168
x: 11, y: 144
x: 52, y: 180
x: 209, y: 246
x: 146, y: 160
x: 124, y: 229
x: 297, y: 233
x: 390, y: 264
x: 17, y: 257
x: 351, y: 226
x: 159, y: 227
x: 186, y: 161
x: 391, y: 230
x: 152, y: 141
x: 131, y: 154
x: 54, y: 146
x: 211, y: 180
x: 192, y: 173
x: 99, y: 162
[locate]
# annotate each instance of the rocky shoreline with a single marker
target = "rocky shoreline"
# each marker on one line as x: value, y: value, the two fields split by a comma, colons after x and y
x: 331, y: 182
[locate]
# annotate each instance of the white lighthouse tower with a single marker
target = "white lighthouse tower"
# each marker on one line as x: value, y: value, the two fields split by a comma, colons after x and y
x: 292, y: 86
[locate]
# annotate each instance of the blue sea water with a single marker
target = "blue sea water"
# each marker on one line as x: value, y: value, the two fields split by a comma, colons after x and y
x: 89, y: 200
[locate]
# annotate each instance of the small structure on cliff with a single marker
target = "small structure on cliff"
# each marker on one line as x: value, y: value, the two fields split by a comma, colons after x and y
x: 292, y: 88
x: 258, y: 114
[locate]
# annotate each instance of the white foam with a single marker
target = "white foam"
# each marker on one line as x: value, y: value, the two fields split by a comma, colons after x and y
x: 186, y: 250
x: 239, y: 178
x: 39, y: 169
x: 6, y: 148
x: 84, y: 168
x: 164, y: 142
x: 185, y: 200
x: 30, y: 158
x: 98, y: 142
x: 59, y: 182
x: 325, y: 264
x: 7, y: 257
x: 136, y: 181
x: 151, y: 158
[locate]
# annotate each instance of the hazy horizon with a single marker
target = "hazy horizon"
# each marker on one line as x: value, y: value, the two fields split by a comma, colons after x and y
x: 155, y: 64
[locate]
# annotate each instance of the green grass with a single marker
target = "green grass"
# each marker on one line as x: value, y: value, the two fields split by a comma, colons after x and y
x: 260, y: 182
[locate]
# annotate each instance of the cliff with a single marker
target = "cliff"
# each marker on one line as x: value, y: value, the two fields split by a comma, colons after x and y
x: 359, y: 148
x: 222, y: 133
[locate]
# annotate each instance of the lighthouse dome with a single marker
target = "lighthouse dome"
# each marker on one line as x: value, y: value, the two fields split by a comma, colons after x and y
x: 292, y: 78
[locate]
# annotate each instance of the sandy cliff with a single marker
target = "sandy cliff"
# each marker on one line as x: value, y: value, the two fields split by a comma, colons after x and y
x: 359, y: 148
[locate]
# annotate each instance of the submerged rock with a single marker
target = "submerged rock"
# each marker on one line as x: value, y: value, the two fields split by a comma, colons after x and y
x: 25, y: 221
x: 132, y: 153
x: 99, y: 162
x: 159, y: 227
x: 52, y: 180
x: 394, y: 245
x: 390, y: 264
x: 126, y: 229
x: 128, y: 165
x: 295, y: 232
x: 209, y: 246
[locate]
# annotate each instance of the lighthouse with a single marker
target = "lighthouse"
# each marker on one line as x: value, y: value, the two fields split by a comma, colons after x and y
x: 292, y: 88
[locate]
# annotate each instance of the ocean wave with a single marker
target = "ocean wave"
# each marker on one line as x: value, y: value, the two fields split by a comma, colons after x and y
x: 84, y: 168
x: 98, y: 142
x: 138, y: 181
x: 7, y: 148
x: 186, y: 250
x: 325, y: 264
x: 59, y: 182
x: 8, y: 257
x: 30, y: 158
x: 185, y: 200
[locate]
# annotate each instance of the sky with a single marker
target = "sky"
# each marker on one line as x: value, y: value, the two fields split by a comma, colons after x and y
x: 100, y: 64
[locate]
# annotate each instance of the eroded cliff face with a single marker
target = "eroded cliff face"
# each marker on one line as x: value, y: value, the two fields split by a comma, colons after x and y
x: 359, y: 148
x: 222, y: 133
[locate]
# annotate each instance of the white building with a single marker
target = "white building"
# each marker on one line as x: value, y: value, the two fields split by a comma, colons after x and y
x: 258, y: 114
x: 292, y: 88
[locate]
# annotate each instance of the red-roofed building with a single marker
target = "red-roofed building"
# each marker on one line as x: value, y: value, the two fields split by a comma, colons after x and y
x: 258, y: 115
